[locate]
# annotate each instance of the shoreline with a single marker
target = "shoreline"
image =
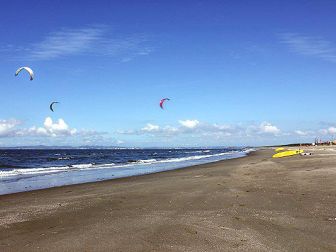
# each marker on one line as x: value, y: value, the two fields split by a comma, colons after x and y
x: 253, y: 203
x: 40, y: 182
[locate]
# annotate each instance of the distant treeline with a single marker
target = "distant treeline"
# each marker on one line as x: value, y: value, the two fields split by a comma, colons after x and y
x: 291, y: 145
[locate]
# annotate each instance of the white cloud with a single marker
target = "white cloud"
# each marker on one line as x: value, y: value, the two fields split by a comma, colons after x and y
x: 127, y: 132
x: 189, y: 123
x: 195, y: 128
x: 310, y: 46
x: 170, y: 130
x: 309, y: 133
x: 59, y: 128
x: 7, y: 127
x: 323, y: 131
x: 92, y: 40
x: 120, y: 141
x: 56, y: 128
x: 51, y: 129
x: 268, y: 128
x: 150, y: 128
x: 66, y: 42
x: 301, y: 133
x: 327, y: 131
x: 332, y: 130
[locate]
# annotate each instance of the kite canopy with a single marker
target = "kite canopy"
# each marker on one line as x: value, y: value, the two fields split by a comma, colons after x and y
x: 51, y: 106
x: 29, y: 70
x: 162, y: 101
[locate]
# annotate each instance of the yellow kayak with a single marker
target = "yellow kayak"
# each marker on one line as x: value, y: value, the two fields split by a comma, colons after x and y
x: 287, y: 153
x: 279, y: 149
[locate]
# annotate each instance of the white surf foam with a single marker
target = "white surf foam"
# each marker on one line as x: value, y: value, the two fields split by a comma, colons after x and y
x: 18, y: 172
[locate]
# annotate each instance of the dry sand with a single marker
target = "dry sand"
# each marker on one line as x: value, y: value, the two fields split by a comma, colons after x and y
x: 249, y: 204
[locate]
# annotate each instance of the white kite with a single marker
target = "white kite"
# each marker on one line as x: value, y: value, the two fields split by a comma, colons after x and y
x: 29, y: 70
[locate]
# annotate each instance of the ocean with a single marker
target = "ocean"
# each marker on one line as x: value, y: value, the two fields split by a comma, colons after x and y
x: 32, y: 169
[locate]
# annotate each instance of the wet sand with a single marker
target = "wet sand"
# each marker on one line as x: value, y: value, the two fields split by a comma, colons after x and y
x: 254, y: 203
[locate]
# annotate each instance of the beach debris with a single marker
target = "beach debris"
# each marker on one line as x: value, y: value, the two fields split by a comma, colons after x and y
x: 223, y: 227
x: 306, y: 154
x: 28, y: 69
x: 51, y: 105
x: 162, y: 101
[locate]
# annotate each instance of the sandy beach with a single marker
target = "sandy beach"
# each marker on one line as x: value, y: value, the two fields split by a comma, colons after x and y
x: 254, y: 203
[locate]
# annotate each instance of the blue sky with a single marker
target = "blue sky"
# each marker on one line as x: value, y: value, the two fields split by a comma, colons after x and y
x: 237, y: 72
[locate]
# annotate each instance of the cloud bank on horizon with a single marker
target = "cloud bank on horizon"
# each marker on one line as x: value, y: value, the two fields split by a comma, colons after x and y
x: 187, y: 129
x: 223, y: 132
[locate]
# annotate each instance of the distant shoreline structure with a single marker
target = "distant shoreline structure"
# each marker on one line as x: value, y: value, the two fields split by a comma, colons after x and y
x: 326, y: 143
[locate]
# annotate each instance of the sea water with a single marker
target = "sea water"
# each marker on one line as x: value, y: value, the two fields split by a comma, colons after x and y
x: 31, y: 169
